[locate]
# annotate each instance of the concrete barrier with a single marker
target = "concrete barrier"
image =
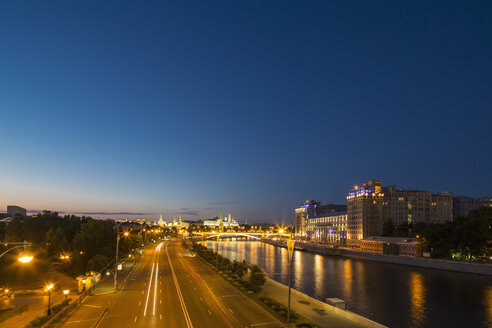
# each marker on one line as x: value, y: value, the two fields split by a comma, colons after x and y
x: 353, y: 319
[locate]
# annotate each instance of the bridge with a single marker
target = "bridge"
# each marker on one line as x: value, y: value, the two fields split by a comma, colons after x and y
x: 254, y: 235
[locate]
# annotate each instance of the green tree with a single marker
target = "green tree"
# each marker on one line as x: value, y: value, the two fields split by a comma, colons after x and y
x: 97, y: 262
x: 257, y: 277
x: 388, y: 228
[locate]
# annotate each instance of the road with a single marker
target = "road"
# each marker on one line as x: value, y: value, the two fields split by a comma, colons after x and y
x: 168, y: 289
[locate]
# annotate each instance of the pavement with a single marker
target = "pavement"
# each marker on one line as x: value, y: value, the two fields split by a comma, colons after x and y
x: 168, y: 289
x: 36, y: 307
x: 37, y: 304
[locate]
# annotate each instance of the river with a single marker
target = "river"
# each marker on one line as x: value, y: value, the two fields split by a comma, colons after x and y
x: 393, y: 295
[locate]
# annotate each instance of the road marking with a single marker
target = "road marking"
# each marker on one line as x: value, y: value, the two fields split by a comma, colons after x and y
x: 139, y: 303
x: 209, y: 312
x: 230, y: 310
x: 262, y: 324
x: 155, y: 285
x: 94, y: 306
x: 230, y: 295
x: 194, y: 288
x: 201, y: 299
x: 161, y: 316
x: 148, y: 291
x: 176, y: 284
x: 160, y: 301
x: 135, y: 319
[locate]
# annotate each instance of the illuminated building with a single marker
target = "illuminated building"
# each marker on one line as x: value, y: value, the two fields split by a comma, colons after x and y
x: 309, y: 209
x: 370, y: 204
x: 331, y: 228
x: 217, y: 222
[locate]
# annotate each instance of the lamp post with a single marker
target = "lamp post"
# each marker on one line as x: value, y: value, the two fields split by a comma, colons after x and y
x: 116, y: 257
x: 290, y: 247
x: 48, y: 289
x: 24, y: 257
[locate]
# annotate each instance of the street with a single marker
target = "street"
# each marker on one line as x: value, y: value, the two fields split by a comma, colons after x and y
x: 167, y: 289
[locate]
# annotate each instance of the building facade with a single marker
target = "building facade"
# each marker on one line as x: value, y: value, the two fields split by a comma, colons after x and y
x: 331, y: 228
x: 463, y: 204
x: 310, y: 209
x: 227, y: 222
x: 13, y: 210
x: 370, y: 204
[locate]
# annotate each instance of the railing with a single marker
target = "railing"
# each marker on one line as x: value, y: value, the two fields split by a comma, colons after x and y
x: 53, y: 320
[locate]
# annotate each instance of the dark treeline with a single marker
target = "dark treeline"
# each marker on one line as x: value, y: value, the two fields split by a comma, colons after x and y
x: 464, y: 238
x: 89, y: 243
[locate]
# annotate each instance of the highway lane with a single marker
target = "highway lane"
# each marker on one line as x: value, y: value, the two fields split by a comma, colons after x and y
x: 168, y: 289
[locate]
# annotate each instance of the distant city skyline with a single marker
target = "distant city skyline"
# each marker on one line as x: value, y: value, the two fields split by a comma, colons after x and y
x: 154, y: 107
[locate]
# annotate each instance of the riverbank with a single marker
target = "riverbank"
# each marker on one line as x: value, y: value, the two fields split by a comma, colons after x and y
x: 314, y: 311
x: 317, y: 312
x: 437, y: 264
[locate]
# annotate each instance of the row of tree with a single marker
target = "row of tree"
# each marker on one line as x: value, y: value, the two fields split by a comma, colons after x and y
x: 90, y: 244
x: 233, y: 268
x: 464, y: 238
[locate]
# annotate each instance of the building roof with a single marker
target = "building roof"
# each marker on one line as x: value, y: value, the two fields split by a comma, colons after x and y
x: 328, y: 215
x: 393, y: 240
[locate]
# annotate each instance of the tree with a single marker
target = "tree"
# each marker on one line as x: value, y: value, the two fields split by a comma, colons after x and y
x: 388, y: 228
x: 257, y: 277
x: 239, y: 269
x: 97, y: 262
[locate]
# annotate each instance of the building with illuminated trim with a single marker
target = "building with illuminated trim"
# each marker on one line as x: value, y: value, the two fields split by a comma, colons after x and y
x: 330, y: 228
x: 310, y: 209
x: 370, y: 204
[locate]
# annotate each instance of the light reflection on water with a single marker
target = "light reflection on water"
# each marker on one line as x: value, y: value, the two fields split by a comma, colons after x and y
x: 394, y: 295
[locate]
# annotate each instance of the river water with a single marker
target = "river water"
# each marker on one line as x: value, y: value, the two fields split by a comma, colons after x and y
x: 393, y: 295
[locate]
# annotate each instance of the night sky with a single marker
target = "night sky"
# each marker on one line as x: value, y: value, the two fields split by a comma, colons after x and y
x: 207, y: 106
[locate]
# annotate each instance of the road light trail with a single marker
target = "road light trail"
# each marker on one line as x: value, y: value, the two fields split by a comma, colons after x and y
x: 180, y: 296
x: 158, y: 249
x: 148, y: 290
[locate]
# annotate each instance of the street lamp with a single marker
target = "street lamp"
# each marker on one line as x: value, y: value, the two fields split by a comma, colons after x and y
x: 65, y: 292
x: 24, y: 256
x: 290, y: 247
x: 126, y: 233
x: 48, y: 289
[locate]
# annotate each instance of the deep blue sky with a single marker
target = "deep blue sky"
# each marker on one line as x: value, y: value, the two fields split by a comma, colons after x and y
x: 197, y: 107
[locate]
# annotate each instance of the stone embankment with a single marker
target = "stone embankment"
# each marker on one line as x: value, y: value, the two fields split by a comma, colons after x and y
x: 320, y: 313
x: 457, y: 266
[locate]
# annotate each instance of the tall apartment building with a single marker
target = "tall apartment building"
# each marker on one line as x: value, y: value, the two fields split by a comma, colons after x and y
x: 463, y: 204
x: 369, y: 205
x: 13, y: 210
x: 309, y: 209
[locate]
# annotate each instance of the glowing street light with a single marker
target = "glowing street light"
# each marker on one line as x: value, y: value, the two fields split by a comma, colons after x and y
x: 126, y: 234
x: 48, y: 289
x: 24, y: 257
x: 65, y: 292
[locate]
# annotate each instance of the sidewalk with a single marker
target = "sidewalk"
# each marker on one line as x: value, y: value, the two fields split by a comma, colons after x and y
x: 106, y: 284
x: 37, y: 303
x: 36, y: 307
x: 319, y: 313
x: 94, y: 305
